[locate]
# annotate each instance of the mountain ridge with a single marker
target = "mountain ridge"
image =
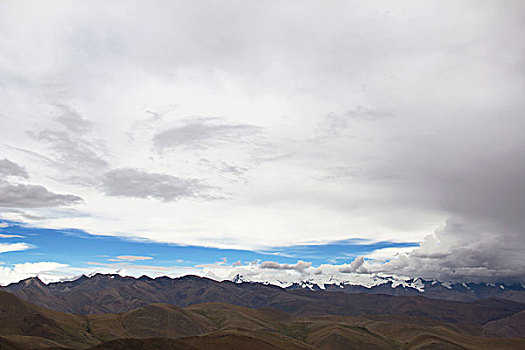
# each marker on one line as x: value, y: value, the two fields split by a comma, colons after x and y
x: 413, y: 287
x: 102, y: 293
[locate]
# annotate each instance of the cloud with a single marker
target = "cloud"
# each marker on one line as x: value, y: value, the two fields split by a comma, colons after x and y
x: 128, y: 265
x: 10, y: 236
x: 46, y: 271
x: 389, y: 253
x: 73, y: 121
x: 13, y: 247
x: 21, y: 215
x: 25, y: 195
x: 299, y: 266
x: 355, y: 266
x: 78, y: 158
x: 463, y: 251
x: 131, y: 258
x: 447, y: 74
x: 8, y: 168
x: 4, y: 224
x: 335, y: 124
x: 33, y: 196
x: 202, y: 133
x: 285, y: 275
x: 73, y: 153
x: 128, y: 269
x: 237, y: 172
x: 128, y: 182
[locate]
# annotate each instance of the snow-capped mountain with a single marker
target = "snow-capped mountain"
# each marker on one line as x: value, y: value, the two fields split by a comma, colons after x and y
x: 460, y: 291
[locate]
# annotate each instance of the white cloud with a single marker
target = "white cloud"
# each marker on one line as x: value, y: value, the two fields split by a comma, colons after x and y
x: 137, y: 270
x: 10, y: 236
x: 131, y: 258
x: 389, y: 253
x: 354, y: 266
x: 358, y: 272
x: 299, y: 266
x: 13, y: 247
x: 46, y: 271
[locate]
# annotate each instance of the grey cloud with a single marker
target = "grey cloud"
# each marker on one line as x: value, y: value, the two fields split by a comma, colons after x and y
x: 161, y: 113
x: 230, y: 172
x: 354, y: 266
x: 357, y: 173
x: 9, y: 168
x: 73, y: 121
x: 232, y: 169
x: 73, y: 153
x: 225, y: 169
x: 31, y: 217
x: 136, y: 183
x: 78, y: 158
x: 465, y: 251
x: 202, y: 133
x: 299, y: 266
x: 335, y: 124
x: 33, y: 196
x: 21, y: 214
x: 472, y: 169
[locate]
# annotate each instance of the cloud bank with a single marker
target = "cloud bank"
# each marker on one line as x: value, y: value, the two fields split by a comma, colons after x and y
x: 140, y: 184
x: 9, y: 168
x: 46, y: 271
x: 13, y: 247
x: 312, y: 122
x: 33, y: 196
x: 299, y: 266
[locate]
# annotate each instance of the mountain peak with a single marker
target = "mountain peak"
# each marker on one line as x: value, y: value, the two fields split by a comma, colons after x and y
x: 239, y: 279
x: 33, y: 281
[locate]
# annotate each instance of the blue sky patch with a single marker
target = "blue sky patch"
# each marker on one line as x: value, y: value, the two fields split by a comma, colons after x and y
x: 80, y: 249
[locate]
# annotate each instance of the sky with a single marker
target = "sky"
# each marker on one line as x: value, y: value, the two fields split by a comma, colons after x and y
x: 278, y: 140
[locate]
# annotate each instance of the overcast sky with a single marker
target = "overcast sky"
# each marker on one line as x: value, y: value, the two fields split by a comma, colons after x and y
x: 249, y: 124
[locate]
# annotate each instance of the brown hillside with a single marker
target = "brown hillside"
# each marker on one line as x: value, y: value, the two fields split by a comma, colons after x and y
x: 224, y: 326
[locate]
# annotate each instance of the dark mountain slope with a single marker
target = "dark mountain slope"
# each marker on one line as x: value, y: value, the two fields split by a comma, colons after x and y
x: 116, y: 294
x: 22, y: 318
x: 223, y: 326
x: 513, y: 326
x: 144, y: 344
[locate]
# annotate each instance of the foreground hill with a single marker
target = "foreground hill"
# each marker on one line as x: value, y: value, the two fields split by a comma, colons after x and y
x: 116, y: 294
x: 512, y: 326
x: 223, y: 326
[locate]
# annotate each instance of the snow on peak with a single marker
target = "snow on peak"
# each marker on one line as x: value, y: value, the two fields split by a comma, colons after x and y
x: 237, y: 279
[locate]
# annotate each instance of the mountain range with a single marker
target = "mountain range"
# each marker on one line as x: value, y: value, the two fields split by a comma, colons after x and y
x: 225, y: 326
x: 115, y: 312
x: 431, y: 289
x: 101, y: 293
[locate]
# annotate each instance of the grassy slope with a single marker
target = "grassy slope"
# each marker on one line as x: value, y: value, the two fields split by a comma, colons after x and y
x: 223, y: 326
